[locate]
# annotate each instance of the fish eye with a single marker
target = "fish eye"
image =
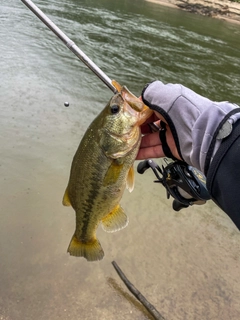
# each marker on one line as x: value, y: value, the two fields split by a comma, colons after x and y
x: 115, y: 108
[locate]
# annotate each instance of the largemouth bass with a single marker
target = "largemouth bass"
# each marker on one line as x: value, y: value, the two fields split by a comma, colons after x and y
x: 101, y: 170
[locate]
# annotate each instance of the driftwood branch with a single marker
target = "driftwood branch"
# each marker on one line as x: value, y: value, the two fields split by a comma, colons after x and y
x: 150, y: 308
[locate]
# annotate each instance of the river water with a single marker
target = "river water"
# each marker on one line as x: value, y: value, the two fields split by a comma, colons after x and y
x: 185, y: 263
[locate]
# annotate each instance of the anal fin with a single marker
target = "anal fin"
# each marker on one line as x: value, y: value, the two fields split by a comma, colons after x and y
x: 115, y: 220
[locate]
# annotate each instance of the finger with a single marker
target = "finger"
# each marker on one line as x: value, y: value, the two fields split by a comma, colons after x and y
x: 146, y: 129
x: 151, y: 152
x: 150, y: 140
x: 150, y: 127
x: 159, y: 116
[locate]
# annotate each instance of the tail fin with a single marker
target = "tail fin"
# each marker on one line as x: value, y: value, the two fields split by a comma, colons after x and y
x: 92, y: 251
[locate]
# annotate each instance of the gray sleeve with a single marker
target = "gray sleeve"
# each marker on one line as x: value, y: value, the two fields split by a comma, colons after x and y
x: 193, y: 119
x: 224, y: 175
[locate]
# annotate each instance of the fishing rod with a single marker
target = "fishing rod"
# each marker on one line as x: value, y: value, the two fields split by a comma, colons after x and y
x: 70, y: 44
x: 184, y: 183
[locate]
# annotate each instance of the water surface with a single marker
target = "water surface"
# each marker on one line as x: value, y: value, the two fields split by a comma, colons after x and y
x: 185, y: 263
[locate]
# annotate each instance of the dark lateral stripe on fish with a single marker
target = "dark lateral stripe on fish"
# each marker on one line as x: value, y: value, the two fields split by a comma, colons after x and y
x: 92, y: 194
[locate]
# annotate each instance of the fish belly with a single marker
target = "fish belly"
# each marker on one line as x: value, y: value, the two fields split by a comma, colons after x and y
x: 95, y: 188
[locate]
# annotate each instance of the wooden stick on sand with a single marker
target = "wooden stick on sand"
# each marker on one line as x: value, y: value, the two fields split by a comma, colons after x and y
x: 150, y: 308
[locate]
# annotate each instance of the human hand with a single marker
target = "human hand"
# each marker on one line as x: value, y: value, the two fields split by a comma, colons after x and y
x: 193, y: 123
x: 151, y: 145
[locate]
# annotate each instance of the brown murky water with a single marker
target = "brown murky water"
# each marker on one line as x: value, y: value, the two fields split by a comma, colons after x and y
x: 185, y: 263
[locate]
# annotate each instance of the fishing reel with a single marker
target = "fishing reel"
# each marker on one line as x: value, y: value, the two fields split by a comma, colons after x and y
x: 184, y: 183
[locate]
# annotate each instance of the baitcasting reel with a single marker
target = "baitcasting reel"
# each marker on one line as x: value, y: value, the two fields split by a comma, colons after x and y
x: 184, y: 183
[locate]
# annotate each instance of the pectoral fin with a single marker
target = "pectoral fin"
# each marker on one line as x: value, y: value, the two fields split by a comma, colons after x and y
x: 130, y: 179
x: 115, y: 220
x: 113, y: 172
x: 66, y: 201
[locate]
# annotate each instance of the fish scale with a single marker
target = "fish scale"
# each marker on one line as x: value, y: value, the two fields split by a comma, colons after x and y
x: 101, y: 170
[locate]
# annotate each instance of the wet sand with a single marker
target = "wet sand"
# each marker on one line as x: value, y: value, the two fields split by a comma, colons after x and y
x: 226, y: 10
x: 185, y: 263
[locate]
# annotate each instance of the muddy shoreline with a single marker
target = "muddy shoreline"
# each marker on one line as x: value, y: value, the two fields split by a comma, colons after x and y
x: 226, y: 10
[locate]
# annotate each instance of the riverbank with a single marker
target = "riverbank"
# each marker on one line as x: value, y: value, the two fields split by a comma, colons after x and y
x: 227, y: 10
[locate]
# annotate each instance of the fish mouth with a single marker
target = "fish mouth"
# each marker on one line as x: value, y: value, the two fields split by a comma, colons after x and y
x: 129, y: 111
x: 134, y: 102
x: 132, y: 105
x: 137, y: 108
